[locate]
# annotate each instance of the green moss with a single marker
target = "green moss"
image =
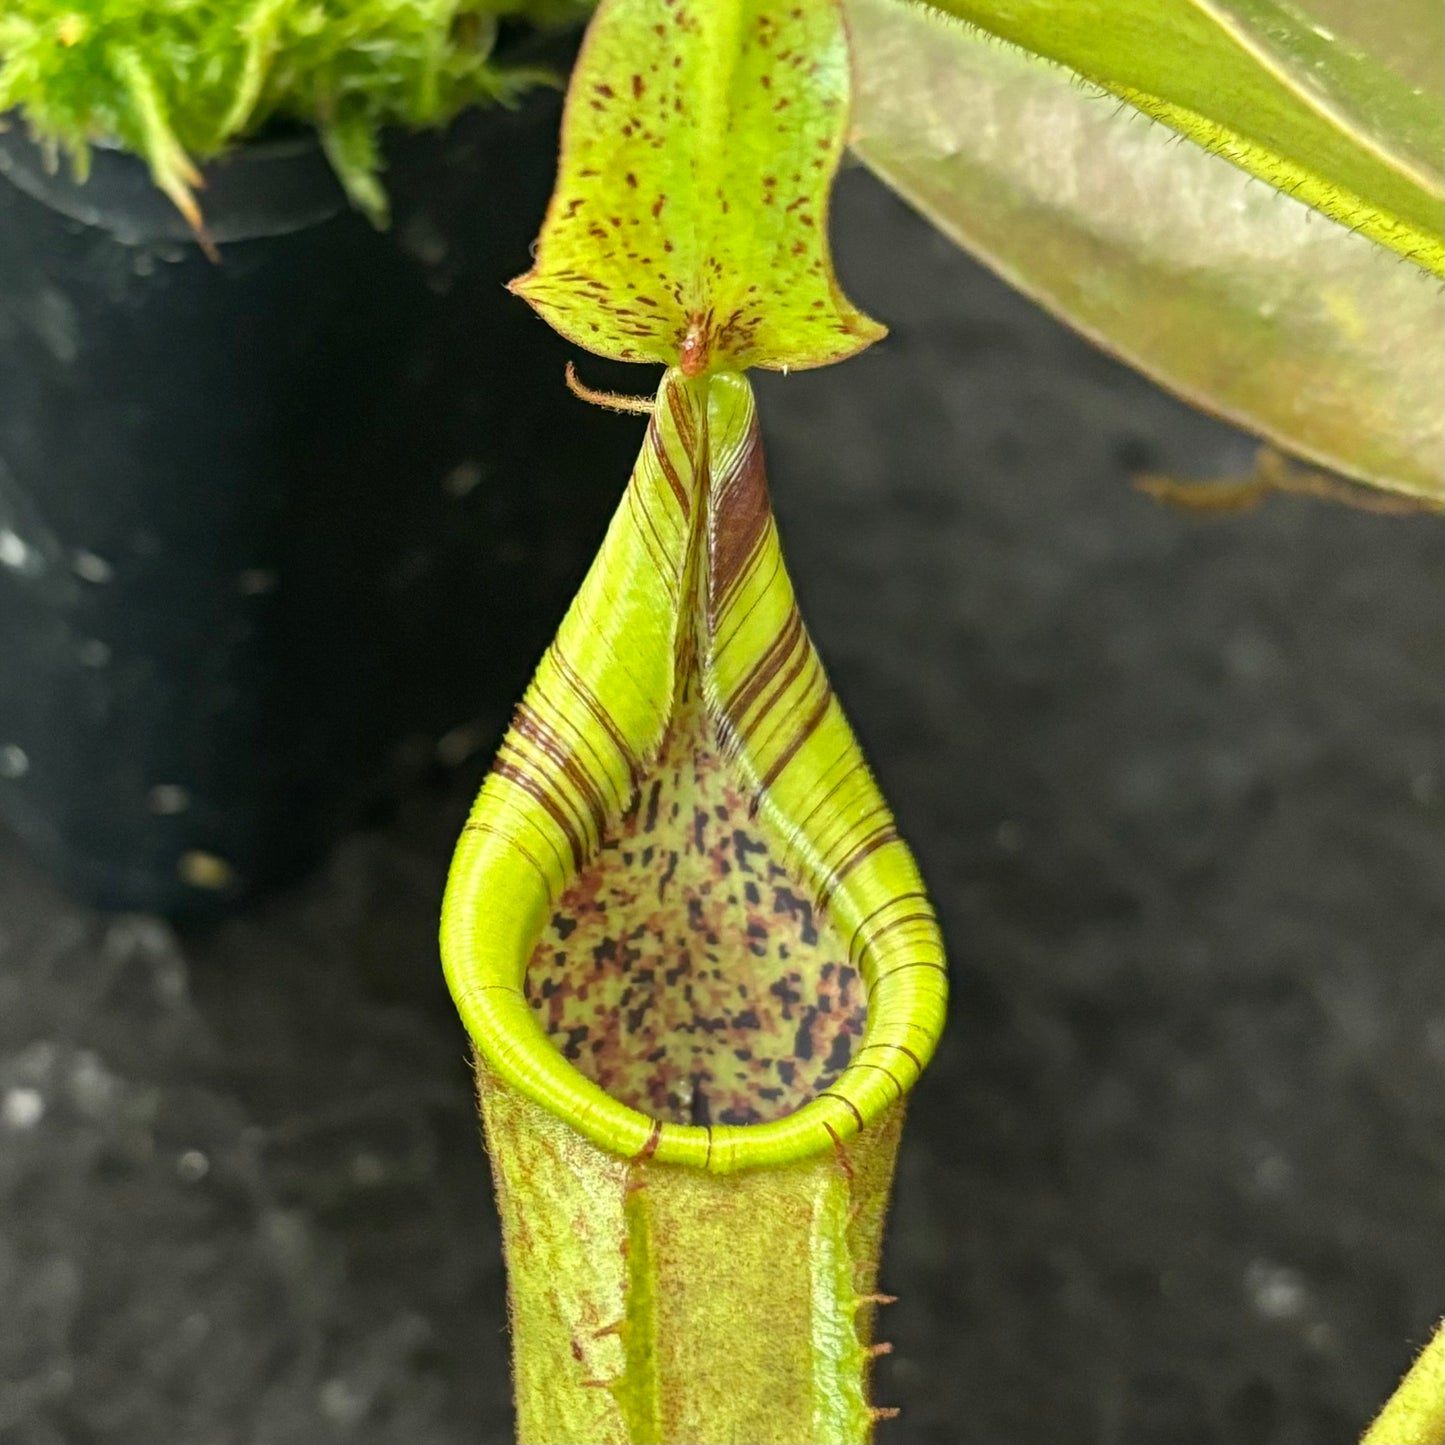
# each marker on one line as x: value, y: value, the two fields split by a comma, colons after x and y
x: 179, y: 81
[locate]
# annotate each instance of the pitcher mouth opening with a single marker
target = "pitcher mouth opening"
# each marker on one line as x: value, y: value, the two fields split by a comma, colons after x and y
x: 686, y: 970
x: 681, y: 918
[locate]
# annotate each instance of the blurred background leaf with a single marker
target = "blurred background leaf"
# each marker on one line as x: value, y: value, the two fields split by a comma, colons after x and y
x: 1318, y: 100
x: 1245, y: 302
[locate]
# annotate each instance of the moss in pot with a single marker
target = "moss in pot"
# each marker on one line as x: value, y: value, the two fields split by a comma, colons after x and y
x: 183, y: 83
x: 235, y: 495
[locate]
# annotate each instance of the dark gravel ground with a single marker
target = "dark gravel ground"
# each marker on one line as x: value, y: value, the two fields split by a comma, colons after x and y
x: 1175, y: 1178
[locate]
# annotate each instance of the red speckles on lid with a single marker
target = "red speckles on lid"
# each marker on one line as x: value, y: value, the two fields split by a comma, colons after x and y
x: 708, y: 152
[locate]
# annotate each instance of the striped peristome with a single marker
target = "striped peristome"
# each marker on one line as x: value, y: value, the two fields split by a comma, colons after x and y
x: 688, y: 620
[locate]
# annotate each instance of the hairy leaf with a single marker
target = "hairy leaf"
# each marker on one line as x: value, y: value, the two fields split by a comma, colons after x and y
x: 1415, y: 1413
x: 1241, y: 300
x: 690, y: 214
x: 1318, y: 113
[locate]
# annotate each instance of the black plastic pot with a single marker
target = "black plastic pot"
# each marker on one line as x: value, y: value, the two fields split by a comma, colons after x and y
x: 272, y: 530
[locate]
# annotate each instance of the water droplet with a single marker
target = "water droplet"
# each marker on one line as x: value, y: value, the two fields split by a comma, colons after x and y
x: 22, y: 1108
x: 455, y: 747
x: 13, y: 550
x: 91, y: 568
x: 462, y: 479
x: 1278, y: 1292
x: 168, y: 798
x: 93, y: 1088
x: 192, y: 1166
x: 341, y: 1403
x: 205, y: 870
